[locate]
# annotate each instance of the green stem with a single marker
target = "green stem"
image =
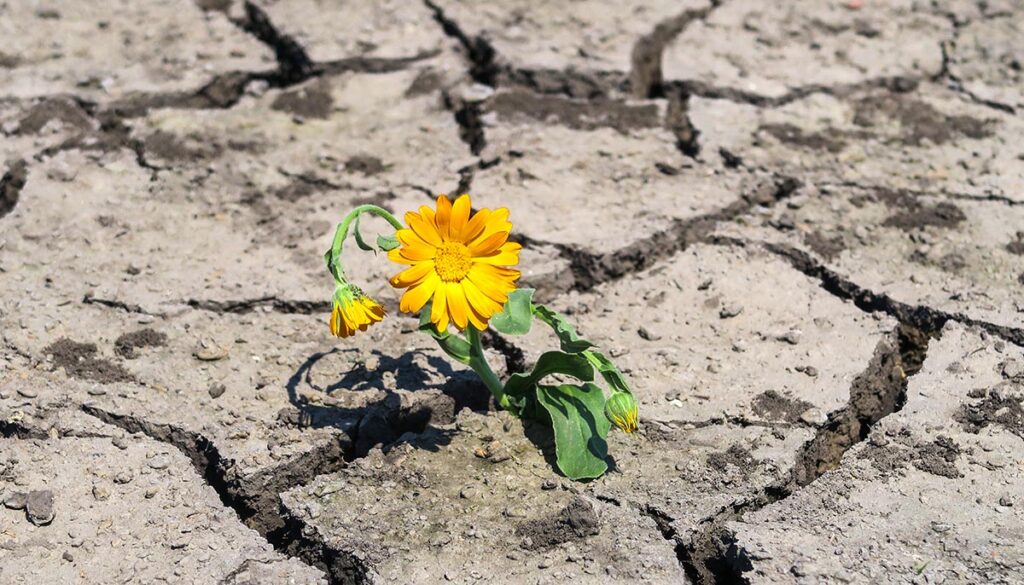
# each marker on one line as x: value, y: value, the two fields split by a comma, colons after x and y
x: 342, y: 232
x: 478, y: 361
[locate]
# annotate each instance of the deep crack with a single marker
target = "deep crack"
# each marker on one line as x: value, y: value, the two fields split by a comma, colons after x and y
x: 11, y: 184
x: 481, y: 54
x: 645, y: 76
x: 922, y: 317
x: 712, y: 555
x: 591, y: 269
x: 256, y: 499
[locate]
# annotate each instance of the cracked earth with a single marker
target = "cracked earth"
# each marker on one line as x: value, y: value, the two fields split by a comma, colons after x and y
x: 797, y: 226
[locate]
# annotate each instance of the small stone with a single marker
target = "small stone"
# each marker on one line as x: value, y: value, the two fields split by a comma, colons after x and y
x: 16, y: 500
x: 210, y: 352
x: 809, y: 370
x: 67, y: 556
x: 549, y: 484
x: 27, y: 392
x: 1013, y: 369
x: 162, y: 461
x: 940, y: 527
x: 1006, y: 501
x: 120, y: 442
x: 39, y: 507
x: 101, y: 493
x: 730, y: 311
x: 217, y: 390
x: 476, y: 93
x: 123, y: 477
x: 814, y: 416
x: 645, y: 333
x: 791, y: 337
x: 878, y: 440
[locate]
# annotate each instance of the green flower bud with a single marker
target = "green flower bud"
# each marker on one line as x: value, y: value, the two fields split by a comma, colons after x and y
x: 622, y: 410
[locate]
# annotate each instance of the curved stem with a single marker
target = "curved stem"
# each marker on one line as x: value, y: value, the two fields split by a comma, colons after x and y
x: 478, y: 361
x: 342, y: 232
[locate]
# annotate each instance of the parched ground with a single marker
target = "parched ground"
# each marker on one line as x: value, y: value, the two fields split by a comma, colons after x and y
x: 798, y: 226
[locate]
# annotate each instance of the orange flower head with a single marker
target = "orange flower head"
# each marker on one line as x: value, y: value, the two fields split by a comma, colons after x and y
x: 456, y: 260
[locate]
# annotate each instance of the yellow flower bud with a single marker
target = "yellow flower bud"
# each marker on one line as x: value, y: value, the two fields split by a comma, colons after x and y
x: 622, y: 410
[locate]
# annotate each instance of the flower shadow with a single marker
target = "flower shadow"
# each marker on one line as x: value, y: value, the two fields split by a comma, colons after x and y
x: 377, y: 406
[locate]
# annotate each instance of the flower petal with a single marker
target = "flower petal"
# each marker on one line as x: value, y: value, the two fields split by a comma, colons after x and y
x: 488, y: 245
x: 458, y: 307
x: 479, y: 302
x: 428, y: 215
x: 495, y: 282
x: 478, y: 321
x: 497, y: 222
x: 417, y: 296
x: 412, y: 276
x: 460, y: 216
x: 507, y: 255
x: 407, y: 237
x: 423, y: 228
x: 476, y: 225
x: 443, y: 216
x: 439, y: 310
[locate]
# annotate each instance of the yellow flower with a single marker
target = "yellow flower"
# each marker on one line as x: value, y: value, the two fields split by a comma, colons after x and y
x: 621, y: 409
x: 353, y: 311
x: 458, y: 261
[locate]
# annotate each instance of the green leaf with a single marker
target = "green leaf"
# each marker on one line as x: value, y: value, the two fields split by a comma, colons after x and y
x: 570, y: 340
x: 551, y: 362
x: 577, y: 417
x: 611, y: 374
x: 359, y: 238
x: 387, y: 243
x: 516, y: 317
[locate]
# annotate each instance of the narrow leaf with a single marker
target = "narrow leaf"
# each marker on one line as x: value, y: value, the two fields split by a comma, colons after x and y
x: 611, y: 374
x: 577, y: 417
x: 551, y: 362
x: 359, y: 238
x: 387, y: 243
x: 570, y: 340
x: 516, y: 317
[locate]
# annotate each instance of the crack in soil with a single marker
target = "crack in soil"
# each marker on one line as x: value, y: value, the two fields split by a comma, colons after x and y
x: 256, y: 499
x: 591, y: 269
x: 248, y: 305
x: 712, y: 554
x: 11, y: 184
x: 293, y: 63
x: 645, y: 76
x: 987, y: 197
x: 922, y: 317
x: 480, y: 52
x: 693, y: 87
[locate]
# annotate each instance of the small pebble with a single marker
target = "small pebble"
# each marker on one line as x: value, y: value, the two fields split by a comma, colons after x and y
x: 730, y: 311
x: 814, y: 416
x: 217, y: 390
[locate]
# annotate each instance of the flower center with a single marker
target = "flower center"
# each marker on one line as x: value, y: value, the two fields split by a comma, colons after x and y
x: 452, y: 261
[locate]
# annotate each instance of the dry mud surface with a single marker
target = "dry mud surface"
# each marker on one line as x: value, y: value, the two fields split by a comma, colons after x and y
x: 798, y: 227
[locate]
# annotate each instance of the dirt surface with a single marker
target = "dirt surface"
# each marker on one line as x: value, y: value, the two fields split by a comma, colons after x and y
x: 796, y: 226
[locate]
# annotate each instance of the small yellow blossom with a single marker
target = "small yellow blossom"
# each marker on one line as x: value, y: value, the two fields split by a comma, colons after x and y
x: 353, y: 311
